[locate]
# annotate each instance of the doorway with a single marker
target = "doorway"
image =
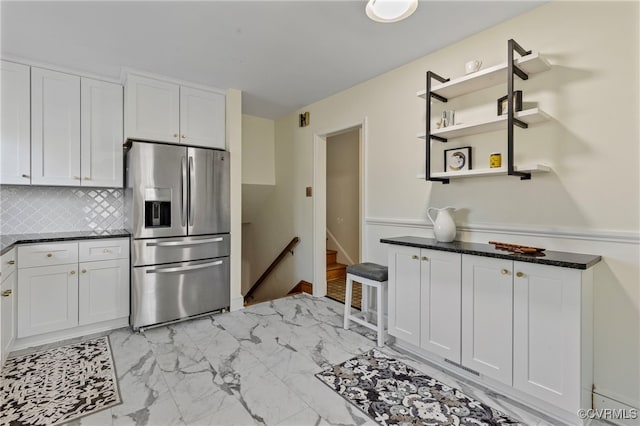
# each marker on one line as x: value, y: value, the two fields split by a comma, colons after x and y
x: 343, y: 212
x: 338, y: 204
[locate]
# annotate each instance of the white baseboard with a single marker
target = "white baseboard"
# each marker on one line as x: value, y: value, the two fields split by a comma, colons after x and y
x: 341, y: 249
x: 615, y: 411
x: 237, y: 303
x: 56, y: 336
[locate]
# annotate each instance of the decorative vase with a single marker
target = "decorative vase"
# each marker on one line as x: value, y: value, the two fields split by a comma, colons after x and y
x: 444, y: 227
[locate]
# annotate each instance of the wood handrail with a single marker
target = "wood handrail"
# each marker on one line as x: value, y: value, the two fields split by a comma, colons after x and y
x: 265, y: 274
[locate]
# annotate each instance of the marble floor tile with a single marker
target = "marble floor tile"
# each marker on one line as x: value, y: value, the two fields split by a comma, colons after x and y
x: 265, y: 397
x: 255, y: 366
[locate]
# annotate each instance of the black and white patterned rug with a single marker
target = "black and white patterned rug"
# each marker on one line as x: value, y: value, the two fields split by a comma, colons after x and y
x: 392, y: 393
x: 58, y: 385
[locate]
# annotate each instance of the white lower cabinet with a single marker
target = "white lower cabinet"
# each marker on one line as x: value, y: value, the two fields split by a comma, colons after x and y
x: 7, y: 304
x: 424, y: 299
x: 525, y: 327
x: 404, y: 294
x: 103, y: 292
x: 440, y: 302
x: 72, y: 284
x: 487, y: 309
x: 552, y: 342
x: 47, y: 299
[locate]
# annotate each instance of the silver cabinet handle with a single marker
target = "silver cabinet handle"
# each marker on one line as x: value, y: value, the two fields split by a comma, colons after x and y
x: 190, y: 185
x: 183, y: 189
x: 11, y: 262
x: 26, y: 176
x: 185, y: 243
x: 184, y: 268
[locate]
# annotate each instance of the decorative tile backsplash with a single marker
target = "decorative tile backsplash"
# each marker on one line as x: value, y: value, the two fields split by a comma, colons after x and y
x: 31, y: 209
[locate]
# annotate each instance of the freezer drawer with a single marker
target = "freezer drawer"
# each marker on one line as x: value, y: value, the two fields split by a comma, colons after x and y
x: 174, y: 291
x: 168, y: 250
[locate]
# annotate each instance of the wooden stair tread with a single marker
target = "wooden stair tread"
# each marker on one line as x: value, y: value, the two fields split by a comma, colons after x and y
x: 335, y: 266
x: 329, y: 251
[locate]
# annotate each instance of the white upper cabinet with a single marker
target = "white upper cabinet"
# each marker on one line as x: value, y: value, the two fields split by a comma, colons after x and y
x: 166, y: 111
x: 15, y: 138
x: 101, y: 133
x: 202, y: 118
x: 153, y: 110
x: 55, y: 128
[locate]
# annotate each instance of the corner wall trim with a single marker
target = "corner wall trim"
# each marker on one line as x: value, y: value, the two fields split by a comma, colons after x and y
x: 625, y: 237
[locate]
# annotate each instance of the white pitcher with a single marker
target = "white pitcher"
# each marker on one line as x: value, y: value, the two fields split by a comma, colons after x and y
x: 443, y: 226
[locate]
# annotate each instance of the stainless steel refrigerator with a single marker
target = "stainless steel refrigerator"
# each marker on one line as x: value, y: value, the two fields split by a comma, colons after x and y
x: 177, y: 204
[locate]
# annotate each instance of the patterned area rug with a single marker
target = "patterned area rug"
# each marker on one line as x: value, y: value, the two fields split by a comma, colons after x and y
x: 58, y: 385
x: 392, y: 393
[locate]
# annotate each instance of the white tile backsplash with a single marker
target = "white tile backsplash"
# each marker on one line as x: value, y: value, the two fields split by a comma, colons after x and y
x: 36, y: 209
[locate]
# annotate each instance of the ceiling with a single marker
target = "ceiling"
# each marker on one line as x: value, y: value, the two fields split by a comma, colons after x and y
x: 283, y: 55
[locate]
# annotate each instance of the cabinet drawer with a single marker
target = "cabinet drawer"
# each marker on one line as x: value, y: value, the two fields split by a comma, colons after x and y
x: 48, y: 254
x: 8, y: 263
x: 107, y: 249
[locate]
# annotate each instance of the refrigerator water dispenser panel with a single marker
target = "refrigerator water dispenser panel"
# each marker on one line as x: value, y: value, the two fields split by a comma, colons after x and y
x: 157, y: 208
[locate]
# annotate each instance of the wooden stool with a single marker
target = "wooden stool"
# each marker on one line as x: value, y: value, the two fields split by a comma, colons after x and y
x: 370, y: 275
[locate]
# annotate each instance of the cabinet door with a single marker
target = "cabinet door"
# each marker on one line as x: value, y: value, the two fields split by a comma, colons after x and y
x: 440, y: 302
x: 153, y: 110
x: 103, y: 291
x: 47, y: 299
x: 102, y: 133
x: 546, y: 321
x: 8, y: 308
x: 487, y: 316
x: 202, y: 118
x: 404, y: 294
x: 15, y: 132
x: 55, y: 128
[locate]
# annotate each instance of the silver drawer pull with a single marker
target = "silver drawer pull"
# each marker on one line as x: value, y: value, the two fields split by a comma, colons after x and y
x: 185, y: 243
x: 184, y: 268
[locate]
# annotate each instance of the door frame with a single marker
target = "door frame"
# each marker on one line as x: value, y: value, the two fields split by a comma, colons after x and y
x: 320, y: 199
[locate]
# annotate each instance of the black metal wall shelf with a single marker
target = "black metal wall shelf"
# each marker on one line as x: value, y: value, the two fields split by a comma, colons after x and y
x: 444, y: 89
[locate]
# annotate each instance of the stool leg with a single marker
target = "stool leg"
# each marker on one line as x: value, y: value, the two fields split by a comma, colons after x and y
x: 347, y: 301
x: 380, y: 312
x: 364, y: 303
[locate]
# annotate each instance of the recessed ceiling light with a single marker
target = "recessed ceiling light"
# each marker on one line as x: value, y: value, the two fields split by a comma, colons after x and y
x: 390, y: 10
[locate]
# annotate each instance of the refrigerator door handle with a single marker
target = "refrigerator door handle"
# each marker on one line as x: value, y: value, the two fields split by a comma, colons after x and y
x: 185, y: 243
x: 191, y: 183
x: 183, y: 190
x: 184, y: 268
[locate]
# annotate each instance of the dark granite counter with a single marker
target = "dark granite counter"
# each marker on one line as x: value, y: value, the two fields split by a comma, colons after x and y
x: 554, y: 258
x: 7, y: 242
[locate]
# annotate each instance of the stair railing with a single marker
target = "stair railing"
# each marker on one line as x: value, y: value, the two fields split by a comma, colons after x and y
x: 265, y: 274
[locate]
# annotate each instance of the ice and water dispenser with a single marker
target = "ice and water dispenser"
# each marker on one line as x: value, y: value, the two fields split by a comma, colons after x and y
x: 157, y: 207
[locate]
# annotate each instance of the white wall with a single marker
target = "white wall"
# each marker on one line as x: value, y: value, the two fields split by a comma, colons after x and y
x: 258, y: 153
x: 343, y: 195
x: 588, y: 203
x: 258, y: 180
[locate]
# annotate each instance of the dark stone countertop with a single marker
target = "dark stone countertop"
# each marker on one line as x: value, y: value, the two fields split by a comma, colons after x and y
x: 7, y: 242
x: 554, y: 258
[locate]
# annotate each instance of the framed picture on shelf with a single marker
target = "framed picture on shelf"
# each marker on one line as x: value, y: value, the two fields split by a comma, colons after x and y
x: 457, y: 159
x: 503, y: 102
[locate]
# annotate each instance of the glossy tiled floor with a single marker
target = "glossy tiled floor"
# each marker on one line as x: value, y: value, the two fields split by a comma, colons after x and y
x: 254, y: 366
